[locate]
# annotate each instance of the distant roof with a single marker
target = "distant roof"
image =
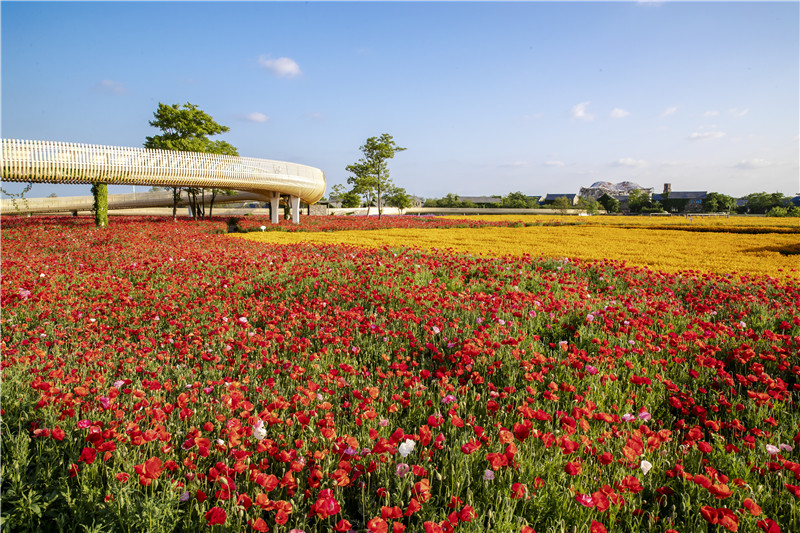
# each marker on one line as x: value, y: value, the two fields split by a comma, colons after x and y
x: 480, y: 199
x: 683, y: 195
x: 554, y: 196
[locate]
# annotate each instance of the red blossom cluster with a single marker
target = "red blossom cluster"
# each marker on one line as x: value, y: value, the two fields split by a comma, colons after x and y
x: 319, y: 388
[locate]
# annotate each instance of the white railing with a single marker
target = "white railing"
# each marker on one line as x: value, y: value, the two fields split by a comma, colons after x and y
x: 60, y: 162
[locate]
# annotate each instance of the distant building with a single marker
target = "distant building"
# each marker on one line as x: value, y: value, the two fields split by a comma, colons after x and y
x: 620, y: 191
x: 482, y: 201
x: 680, y: 201
x: 550, y: 198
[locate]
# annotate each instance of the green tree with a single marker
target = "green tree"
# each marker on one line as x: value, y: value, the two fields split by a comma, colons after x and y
x: 449, y: 200
x: 188, y: 129
x: 761, y: 202
x: 515, y: 200
x: 609, y: 203
x: 562, y: 204
x: 589, y: 205
x: 399, y: 198
x: 371, y: 172
x: 347, y: 199
x: 638, y: 200
x: 715, y: 202
x: 362, y: 184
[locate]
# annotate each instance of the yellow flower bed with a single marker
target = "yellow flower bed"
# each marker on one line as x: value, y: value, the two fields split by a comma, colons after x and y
x: 659, y: 249
x: 649, y: 221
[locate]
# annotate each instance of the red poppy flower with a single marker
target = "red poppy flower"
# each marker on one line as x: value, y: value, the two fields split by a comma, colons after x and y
x: 377, y: 525
x: 573, y: 468
x: 518, y: 491
x: 259, y: 525
x: 326, y: 505
x: 215, y: 516
x: 343, y: 525
x: 88, y: 455
x: 768, y: 525
x: 597, y: 527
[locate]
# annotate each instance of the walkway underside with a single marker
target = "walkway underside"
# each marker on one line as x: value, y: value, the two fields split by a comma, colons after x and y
x: 59, y: 162
x: 69, y: 204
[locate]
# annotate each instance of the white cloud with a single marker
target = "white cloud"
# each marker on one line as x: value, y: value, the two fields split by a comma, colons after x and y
x: 315, y: 116
x: 706, y: 135
x: 709, y: 114
x: 110, y: 87
x: 629, y: 162
x: 619, y: 113
x: 255, y: 116
x: 670, y: 163
x: 579, y: 112
x: 554, y: 163
x: 669, y: 111
x: 283, y: 67
x: 748, y: 164
x: 515, y: 164
x: 736, y: 112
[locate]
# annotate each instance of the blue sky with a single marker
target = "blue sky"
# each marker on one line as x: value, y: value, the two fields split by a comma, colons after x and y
x: 488, y: 98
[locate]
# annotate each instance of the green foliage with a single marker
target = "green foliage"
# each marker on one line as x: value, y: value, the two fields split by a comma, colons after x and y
x: 609, y: 203
x: 654, y: 207
x: 450, y: 200
x: 761, y: 202
x: 348, y: 199
x: 638, y: 200
x: 370, y: 174
x: 562, y: 204
x: 715, y: 202
x: 100, y: 206
x: 399, y: 198
x: 791, y: 211
x: 516, y: 200
x: 188, y: 130
x: 18, y: 196
x: 590, y: 205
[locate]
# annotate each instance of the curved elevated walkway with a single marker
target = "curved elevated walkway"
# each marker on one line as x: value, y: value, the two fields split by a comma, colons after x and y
x: 60, y: 162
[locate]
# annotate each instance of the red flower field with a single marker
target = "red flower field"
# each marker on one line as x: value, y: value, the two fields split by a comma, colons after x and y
x: 158, y: 376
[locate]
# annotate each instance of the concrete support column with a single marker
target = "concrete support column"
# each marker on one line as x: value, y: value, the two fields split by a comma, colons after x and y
x: 274, y: 200
x: 295, y: 209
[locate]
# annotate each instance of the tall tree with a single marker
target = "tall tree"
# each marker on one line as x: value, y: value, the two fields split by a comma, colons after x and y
x: 761, y: 202
x: 371, y: 172
x: 399, y: 198
x: 638, y: 200
x: 562, y: 204
x: 187, y: 129
x: 715, y: 202
x: 363, y: 184
x: 516, y: 200
x: 609, y: 203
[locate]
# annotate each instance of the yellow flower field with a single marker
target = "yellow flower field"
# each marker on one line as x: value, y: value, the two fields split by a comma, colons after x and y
x: 661, y: 249
x: 717, y: 222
